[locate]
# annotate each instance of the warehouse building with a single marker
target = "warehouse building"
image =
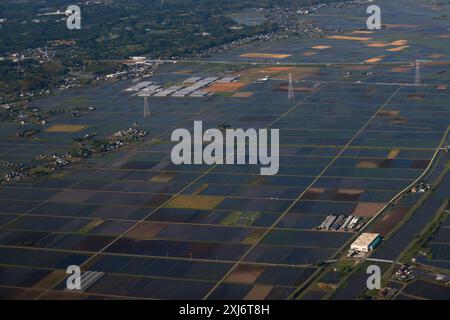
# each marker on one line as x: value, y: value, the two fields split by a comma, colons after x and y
x: 366, y: 242
x: 139, y: 86
x: 168, y: 91
x: 193, y: 79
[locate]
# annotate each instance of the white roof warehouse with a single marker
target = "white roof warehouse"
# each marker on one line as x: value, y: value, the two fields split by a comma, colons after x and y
x: 366, y: 242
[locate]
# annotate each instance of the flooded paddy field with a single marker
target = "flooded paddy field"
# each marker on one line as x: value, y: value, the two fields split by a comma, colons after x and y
x: 353, y: 138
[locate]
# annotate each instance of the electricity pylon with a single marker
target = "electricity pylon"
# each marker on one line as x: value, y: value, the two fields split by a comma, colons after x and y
x: 291, y: 89
x: 146, y: 108
x: 418, y: 79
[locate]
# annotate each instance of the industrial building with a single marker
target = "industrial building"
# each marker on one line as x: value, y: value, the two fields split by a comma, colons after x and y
x: 341, y: 223
x: 198, y: 94
x: 346, y: 223
x: 192, y: 79
x: 191, y: 87
x: 353, y: 223
x: 336, y: 224
x: 168, y: 91
x: 326, y: 224
x: 150, y: 90
x: 366, y: 242
x: 139, y: 86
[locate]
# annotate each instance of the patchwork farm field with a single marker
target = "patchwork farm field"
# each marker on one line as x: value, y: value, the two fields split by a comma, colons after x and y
x: 359, y: 131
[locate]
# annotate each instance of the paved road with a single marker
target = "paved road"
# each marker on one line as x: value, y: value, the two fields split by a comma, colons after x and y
x: 393, y: 247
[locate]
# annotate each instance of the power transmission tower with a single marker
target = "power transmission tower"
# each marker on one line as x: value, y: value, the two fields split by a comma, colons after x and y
x: 418, y: 78
x: 291, y: 89
x: 18, y: 68
x: 146, y: 108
